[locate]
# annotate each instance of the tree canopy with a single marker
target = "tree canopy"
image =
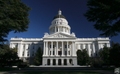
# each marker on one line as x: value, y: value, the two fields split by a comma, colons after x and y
x: 115, y: 54
x: 82, y: 57
x: 8, y: 56
x: 106, y: 15
x: 105, y: 55
x: 13, y: 17
x: 38, y: 57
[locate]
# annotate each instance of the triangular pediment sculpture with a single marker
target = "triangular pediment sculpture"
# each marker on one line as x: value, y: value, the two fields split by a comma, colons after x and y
x: 59, y: 35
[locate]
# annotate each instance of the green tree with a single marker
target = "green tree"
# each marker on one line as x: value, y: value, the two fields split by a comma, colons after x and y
x: 13, y: 17
x: 115, y: 54
x: 38, y: 57
x: 96, y: 62
x: 8, y: 56
x: 79, y: 54
x: 105, y: 55
x: 105, y: 14
x: 82, y: 57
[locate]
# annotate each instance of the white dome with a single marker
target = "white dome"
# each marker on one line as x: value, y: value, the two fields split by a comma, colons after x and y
x: 59, y: 24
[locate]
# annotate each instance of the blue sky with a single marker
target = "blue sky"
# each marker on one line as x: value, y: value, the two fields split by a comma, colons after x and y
x: 43, y: 11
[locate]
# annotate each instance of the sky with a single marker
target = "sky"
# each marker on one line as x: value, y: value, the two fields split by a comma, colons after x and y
x: 43, y: 11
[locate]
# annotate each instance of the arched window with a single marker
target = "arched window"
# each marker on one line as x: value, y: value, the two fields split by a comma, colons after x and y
x: 56, y: 29
x: 65, y: 61
x: 71, y: 61
x: 54, y: 61
x: 59, y: 61
x: 48, y: 61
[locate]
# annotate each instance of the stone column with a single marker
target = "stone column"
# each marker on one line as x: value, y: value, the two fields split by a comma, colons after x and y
x: 67, y: 48
x: 26, y: 51
x: 68, y: 62
x: 83, y: 46
x: 52, y: 48
x: 93, y: 51
x: 44, y: 49
x: 55, y: 28
x: 57, y: 49
x: 58, y: 29
x: 51, y: 62
x: 62, y: 61
x: 108, y: 45
x: 72, y: 49
x: 62, y: 49
x: 99, y: 46
x: 56, y: 61
x: 49, y: 48
x: 80, y: 46
x: 89, y: 50
x: 20, y: 50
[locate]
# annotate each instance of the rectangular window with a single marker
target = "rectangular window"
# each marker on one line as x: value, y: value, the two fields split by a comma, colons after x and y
x: 23, y: 46
x: 16, y: 45
x: 50, y: 52
x: 53, y: 53
x: 105, y: 44
x: 65, y: 46
x: 27, y: 53
x: 33, y: 53
x: 33, y: 47
x: 53, y: 46
x: 65, y: 52
x: 68, y: 46
x: 28, y: 46
x: 23, y: 53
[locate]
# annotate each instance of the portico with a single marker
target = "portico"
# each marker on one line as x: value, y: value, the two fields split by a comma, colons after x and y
x: 59, y: 53
x: 59, y: 48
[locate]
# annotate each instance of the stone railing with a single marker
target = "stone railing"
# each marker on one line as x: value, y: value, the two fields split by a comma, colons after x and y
x: 99, y: 38
x: 26, y: 39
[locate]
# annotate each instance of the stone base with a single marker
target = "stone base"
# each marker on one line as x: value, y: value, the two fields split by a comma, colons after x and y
x: 59, y: 61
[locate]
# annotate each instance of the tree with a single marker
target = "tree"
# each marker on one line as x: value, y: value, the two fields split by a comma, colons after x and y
x: 115, y: 54
x: 38, y: 57
x: 13, y: 17
x: 79, y: 54
x: 105, y: 55
x: 82, y: 57
x: 8, y: 56
x: 106, y: 15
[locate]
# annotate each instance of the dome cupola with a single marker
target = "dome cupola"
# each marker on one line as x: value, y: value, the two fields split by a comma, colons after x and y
x: 59, y: 24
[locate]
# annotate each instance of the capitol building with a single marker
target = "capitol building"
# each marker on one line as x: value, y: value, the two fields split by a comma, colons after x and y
x: 59, y: 45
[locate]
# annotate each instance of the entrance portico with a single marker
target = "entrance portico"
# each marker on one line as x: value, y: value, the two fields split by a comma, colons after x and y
x: 59, y: 48
x: 59, y: 53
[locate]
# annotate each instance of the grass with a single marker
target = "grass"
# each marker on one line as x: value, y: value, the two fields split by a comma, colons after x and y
x: 60, y: 72
x: 7, y: 69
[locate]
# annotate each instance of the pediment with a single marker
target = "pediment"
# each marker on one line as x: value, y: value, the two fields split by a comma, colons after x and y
x: 59, y: 35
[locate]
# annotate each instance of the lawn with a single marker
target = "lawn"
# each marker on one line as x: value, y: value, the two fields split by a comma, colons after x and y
x: 60, y: 72
x: 7, y: 69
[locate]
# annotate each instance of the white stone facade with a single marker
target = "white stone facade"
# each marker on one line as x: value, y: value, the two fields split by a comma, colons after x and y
x: 59, y: 45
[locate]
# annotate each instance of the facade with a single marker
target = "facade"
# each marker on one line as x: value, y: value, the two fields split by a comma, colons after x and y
x: 59, y: 45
